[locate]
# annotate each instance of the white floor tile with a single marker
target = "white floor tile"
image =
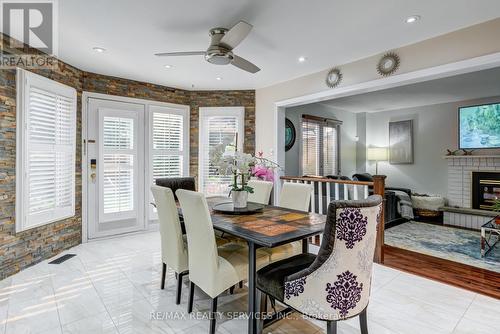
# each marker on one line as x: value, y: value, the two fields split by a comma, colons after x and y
x: 113, y: 286
x: 96, y: 324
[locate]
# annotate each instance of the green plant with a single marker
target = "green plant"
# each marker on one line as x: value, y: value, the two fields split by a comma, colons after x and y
x: 496, y: 205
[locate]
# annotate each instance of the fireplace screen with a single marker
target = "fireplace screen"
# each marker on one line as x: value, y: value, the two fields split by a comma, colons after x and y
x: 485, y: 189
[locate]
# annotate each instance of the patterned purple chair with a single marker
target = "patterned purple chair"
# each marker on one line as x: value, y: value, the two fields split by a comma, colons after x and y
x: 335, y: 284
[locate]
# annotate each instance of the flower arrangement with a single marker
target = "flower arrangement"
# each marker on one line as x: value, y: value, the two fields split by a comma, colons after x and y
x: 241, y: 166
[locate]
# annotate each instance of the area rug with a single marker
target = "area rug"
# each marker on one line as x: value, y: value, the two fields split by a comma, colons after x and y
x: 444, y: 242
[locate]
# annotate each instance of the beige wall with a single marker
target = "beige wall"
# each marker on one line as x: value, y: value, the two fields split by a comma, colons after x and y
x: 435, y: 129
x: 462, y: 44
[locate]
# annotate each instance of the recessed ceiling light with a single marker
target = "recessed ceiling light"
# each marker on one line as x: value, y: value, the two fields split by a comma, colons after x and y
x: 219, y: 78
x: 302, y: 59
x: 98, y: 49
x: 168, y: 66
x: 412, y: 19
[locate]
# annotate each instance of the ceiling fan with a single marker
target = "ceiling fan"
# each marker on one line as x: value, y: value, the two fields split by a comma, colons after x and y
x: 220, y: 51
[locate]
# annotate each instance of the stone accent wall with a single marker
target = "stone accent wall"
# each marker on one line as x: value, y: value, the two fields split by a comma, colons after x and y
x: 98, y: 83
x: 21, y: 250
x: 239, y: 98
x: 18, y: 251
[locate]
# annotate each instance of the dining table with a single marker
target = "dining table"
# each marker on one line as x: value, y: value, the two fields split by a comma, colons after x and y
x: 270, y: 227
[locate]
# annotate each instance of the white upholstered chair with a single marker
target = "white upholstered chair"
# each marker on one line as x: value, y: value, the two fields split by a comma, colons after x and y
x: 296, y: 196
x: 261, y: 191
x: 212, y: 269
x: 335, y: 284
x: 174, y: 250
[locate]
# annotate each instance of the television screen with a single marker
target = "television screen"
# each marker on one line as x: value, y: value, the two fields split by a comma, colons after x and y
x: 479, y: 126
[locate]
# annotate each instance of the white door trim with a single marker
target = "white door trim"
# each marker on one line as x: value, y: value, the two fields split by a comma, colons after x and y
x: 431, y: 73
x: 147, y: 103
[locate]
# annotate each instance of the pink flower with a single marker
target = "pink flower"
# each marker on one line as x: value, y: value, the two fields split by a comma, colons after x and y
x: 263, y: 173
x: 260, y: 154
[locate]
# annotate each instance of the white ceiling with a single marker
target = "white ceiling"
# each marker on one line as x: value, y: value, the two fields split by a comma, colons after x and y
x: 452, y: 89
x: 327, y: 32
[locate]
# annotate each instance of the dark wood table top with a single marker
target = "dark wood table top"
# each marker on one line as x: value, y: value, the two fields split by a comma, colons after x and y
x: 273, y: 226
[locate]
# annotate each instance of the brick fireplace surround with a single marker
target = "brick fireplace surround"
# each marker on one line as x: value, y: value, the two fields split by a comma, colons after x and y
x: 459, y: 211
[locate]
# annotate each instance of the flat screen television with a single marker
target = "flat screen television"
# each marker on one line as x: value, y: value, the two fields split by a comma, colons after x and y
x: 479, y: 126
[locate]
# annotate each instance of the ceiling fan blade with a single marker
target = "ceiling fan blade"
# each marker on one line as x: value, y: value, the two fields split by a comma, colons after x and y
x: 188, y: 53
x: 244, y: 64
x: 236, y: 34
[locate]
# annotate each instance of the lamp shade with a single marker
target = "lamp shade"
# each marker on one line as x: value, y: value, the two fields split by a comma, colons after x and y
x: 377, y: 154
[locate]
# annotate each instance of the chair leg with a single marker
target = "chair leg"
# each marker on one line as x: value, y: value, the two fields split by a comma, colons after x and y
x: 179, y: 288
x: 331, y: 327
x: 213, y: 315
x: 191, y: 297
x: 363, y: 323
x: 241, y: 284
x: 163, y: 274
x: 261, y: 299
x: 231, y: 290
x: 273, y: 303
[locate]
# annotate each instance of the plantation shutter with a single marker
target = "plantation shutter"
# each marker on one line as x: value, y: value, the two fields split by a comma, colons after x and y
x: 168, y: 145
x: 48, y: 148
x: 218, y: 126
x: 118, y: 160
x: 319, y: 146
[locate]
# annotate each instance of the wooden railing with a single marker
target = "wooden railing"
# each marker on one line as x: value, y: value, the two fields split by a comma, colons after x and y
x: 327, y: 190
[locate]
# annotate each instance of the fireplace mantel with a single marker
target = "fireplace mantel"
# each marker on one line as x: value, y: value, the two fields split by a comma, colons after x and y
x: 460, y: 168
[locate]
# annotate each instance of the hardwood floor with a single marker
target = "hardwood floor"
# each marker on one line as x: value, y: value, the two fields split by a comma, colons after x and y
x: 471, y: 278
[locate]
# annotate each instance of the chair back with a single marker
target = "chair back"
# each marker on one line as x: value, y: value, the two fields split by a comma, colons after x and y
x: 173, y: 250
x: 261, y: 191
x: 296, y: 196
x: 175, y: 183
x: 337, y: 284
x: 203, y: 255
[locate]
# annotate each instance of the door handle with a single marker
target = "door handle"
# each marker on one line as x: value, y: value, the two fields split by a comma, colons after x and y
x: 93, y: 168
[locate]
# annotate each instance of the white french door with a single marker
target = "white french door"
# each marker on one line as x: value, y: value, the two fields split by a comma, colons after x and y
x: 115, y: 167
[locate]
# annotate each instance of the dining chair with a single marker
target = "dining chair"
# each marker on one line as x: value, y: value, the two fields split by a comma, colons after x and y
x: 335, y: 284
x: 174, y: 250
x: 296, y: 196
x: 212, y: 269
x: 175, y: 183
x: 261, y: 191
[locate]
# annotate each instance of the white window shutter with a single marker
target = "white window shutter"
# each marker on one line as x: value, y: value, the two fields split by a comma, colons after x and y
x: 168, y: 144
x: 47, y: 148
x: 218, y: 126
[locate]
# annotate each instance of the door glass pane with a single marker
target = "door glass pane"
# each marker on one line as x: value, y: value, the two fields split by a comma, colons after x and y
x: 118, y: 183
x: 118, y: 133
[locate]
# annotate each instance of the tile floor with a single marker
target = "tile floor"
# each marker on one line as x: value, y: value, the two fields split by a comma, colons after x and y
x: 112, y: 286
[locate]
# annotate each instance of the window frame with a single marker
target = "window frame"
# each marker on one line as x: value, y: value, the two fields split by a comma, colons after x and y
x: 322, y: 121
x: 177, y: 109
x: 206, y: 112
x: 24, y: 81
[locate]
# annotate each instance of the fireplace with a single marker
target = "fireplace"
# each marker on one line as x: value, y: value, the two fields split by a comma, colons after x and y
x: 485, y: 189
